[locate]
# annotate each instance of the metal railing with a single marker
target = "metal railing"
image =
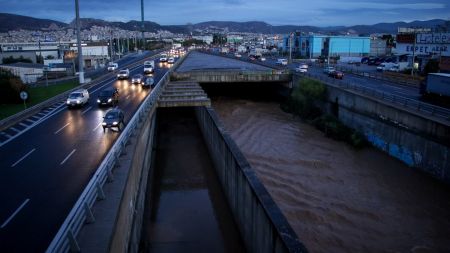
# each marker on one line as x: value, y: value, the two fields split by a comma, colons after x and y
x: 416, y: 105
x: 65, y: 239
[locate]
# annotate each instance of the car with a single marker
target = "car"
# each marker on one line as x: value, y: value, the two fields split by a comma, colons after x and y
x: 302, y: 68
x: 138, y: 78
x: 149, y: 67
x: 112, y: 66
x: 171, y: 60
x: 336, y: 74
x: 108, y: 96
x: 328, y: 70
x: 113, y: 118
x: 79, y: 97
x: 237, y: 55
x: 263, y: 59
x: 148, y: 83
x: 123, y: 74
x: 163, y: 58
x: 252, y: 58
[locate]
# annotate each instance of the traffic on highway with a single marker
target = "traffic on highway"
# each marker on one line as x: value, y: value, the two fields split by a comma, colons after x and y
x: 48, y: 158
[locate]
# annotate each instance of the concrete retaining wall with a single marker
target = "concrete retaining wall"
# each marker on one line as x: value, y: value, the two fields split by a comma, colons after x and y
x: 233, y: 76
x: 262, y: 225
x: 128, y: 225
x: 417, y: 140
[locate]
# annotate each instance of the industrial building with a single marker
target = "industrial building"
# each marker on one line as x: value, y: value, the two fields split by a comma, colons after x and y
x: 313, y: 46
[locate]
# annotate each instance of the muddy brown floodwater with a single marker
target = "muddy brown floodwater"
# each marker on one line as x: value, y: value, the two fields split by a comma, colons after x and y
x: 336, y: 198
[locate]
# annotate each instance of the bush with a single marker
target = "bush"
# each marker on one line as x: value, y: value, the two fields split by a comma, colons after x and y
x: 303, y: 99
x: 10, y: 88
x: 303, y: 102
x: 10, y: 60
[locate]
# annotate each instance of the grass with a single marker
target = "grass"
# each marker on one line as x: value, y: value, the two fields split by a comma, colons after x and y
x: 36, y: 96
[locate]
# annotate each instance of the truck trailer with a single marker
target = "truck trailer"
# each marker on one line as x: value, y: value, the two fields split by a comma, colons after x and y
x: 436, y: 88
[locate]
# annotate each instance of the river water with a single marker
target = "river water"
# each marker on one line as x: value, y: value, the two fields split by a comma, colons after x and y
x: 336, y: 198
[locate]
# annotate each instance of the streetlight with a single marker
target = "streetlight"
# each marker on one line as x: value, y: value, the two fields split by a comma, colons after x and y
x: 142, y: 19
x: 80, y: 53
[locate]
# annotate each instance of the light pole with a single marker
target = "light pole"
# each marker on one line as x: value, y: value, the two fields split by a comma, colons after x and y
x: 290, y: 47
x: 80, y: 53
x: 142, y: 25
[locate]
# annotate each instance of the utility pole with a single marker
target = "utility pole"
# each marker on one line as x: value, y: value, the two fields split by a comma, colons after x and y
x: 142, y: 25
x: 111, y: 45
x: 414, y: 55
x: 80, y: 53
x: 118, y: 46
x: 290, y: 47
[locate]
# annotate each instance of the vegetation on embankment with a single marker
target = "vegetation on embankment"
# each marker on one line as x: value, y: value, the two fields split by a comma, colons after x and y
x: 305, y: 101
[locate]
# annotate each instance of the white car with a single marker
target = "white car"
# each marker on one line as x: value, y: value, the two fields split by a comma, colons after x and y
x: 112, y: 66
x: 171, y: 60
x: 78, y: 98
x: 263, y: 58
x: 237, y: 55
x: 302, y: 68
x: 123, y: 74
x: 149, y: 67
x: 328, y: 70
x: 283, y: 62
x: 163, y: 58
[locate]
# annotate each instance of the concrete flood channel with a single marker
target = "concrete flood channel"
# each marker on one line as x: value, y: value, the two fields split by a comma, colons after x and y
x: 188, y: 212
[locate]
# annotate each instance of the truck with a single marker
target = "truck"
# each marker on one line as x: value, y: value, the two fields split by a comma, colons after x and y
x: 385, y: 66
x: 436, y: 85
x: 399, y: 67
x: 149, y: 67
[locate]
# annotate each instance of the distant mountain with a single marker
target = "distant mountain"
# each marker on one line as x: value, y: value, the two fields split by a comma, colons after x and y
x: 10, y: 22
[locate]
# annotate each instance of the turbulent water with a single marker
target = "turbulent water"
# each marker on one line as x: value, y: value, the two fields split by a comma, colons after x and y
x: 336, y: 198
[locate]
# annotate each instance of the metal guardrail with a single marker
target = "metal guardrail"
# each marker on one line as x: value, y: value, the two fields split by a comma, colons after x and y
x: 65, y: 239
x: 416, y: 105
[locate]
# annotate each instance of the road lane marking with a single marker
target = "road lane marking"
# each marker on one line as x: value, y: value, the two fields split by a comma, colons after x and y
x: 59, y: 130
x: 6, y: 135
x: 29, y: 120
x: 35, y: 117
x: 15, y: 213
x: 127, y: 96
x: 93, y: 130
x: 67, y: 157
x: 83, y: 112
x: 22, y: 124
x: 14, y: 129
x: 23, y: 157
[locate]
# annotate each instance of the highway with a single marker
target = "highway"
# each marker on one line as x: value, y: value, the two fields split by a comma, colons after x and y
x: 385, y: 86
x: 47, y: 160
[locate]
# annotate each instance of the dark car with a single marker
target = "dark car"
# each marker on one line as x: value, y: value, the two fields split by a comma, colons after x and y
x: 137, y: 79
x: 148, y: 83
x: 108, y: 97
x: 113, y: 118
x: 336, y: 74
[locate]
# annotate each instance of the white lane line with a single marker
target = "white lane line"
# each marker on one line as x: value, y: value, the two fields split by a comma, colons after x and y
x: 67, y: 157
x: 35, y: 117
x: 15, y: 213
x: 99, y: 124
x: 14, y: 129
x: 83, y: 112
x: 127, y: 96
x: 41, y: 113
x: 29, y: 120
x: 22, y: 124
x: 23, y: 157
x: 59, y: 130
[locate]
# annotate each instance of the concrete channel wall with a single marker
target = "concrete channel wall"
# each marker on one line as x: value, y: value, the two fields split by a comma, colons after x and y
x: 262, y: 225
x: 418, y: 140
x: 235, y: 76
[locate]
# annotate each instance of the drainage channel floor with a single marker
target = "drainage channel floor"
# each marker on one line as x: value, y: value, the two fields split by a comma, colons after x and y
x: 188, y: 211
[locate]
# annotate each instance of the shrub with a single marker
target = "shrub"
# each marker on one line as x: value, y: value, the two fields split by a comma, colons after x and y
x: 10, y: 87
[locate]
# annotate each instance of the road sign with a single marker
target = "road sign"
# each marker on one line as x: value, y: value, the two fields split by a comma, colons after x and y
x: 23, y: 95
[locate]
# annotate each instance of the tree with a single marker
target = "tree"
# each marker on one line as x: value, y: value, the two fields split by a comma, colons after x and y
x: 10, y: 87
x: 10, y: 60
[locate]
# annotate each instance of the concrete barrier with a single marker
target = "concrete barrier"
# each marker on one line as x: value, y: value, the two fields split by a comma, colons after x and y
x: 233, y: 76
x: 262, y: 225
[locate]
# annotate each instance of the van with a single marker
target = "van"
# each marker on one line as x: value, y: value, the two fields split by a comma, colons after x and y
x: 79, y: 97
x: 385, y: 66
x: 283, y: 62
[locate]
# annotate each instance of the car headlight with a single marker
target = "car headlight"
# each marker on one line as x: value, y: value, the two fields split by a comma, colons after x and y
x: 104, y: 123
x: 115, y: 123
x: 78, y: 102
x: 109, y: 100
x: 68, y: 102
x: 98, y: 100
